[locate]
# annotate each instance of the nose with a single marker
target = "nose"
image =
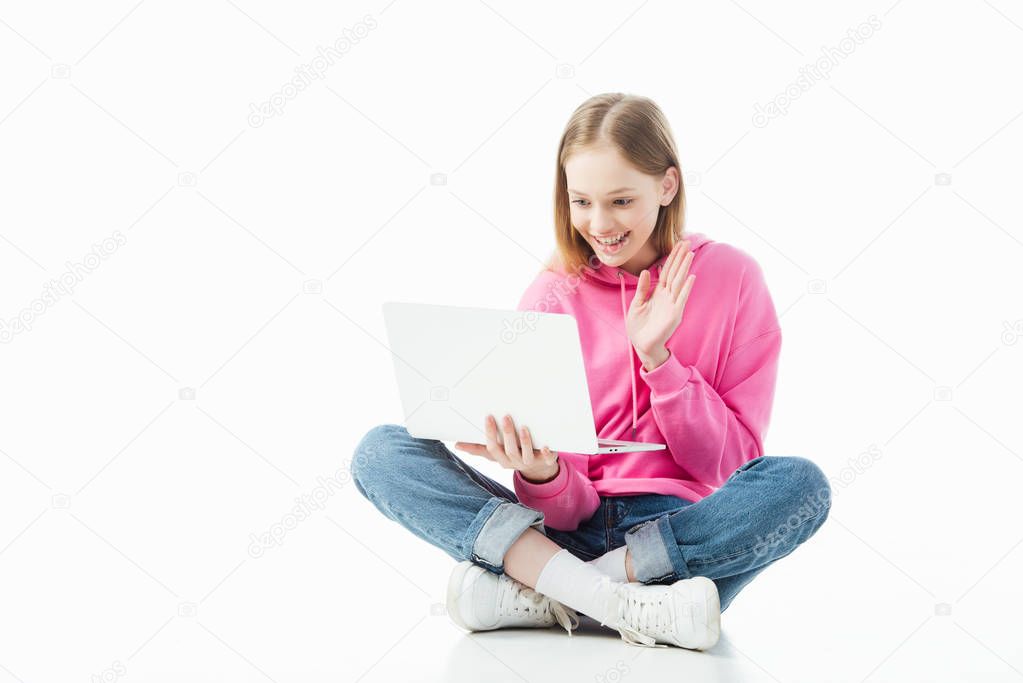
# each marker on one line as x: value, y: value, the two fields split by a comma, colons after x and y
x: 600, y: 221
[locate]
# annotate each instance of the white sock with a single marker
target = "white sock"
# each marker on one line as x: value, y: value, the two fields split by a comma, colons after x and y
x: 613, y: 564
x: 577, y: 584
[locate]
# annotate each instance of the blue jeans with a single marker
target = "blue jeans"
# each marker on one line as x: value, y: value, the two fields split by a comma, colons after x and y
x: 765, y: 509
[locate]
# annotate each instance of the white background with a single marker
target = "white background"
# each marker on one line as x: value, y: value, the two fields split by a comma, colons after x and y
x: 255, y: 259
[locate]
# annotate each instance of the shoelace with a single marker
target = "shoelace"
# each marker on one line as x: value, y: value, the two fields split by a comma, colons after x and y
x: 539, y: 606
x: 631, y: 615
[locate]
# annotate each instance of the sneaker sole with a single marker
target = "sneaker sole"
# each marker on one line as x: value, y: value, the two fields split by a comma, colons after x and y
x: 712, y: 608
x: 455, y: 582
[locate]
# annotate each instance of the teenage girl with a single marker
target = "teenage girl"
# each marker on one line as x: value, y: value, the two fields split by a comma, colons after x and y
x: 653, y: 544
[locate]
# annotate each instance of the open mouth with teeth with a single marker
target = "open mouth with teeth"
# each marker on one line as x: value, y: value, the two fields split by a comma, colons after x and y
x: 612, y: 243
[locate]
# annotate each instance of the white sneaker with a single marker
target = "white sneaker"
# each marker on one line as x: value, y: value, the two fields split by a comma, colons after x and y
x: 686, y: 613
x: 479, y: 600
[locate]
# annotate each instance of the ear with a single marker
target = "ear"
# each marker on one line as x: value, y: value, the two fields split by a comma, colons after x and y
x: 670, y: 184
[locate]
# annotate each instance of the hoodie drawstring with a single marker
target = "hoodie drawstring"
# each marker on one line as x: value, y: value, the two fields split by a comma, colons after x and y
x: 628, y: 344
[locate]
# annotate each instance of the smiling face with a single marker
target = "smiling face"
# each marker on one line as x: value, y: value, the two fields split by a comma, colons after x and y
x: 611, y: 200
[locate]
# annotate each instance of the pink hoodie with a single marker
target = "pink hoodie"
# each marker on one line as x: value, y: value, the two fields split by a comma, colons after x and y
x: 709, y: 402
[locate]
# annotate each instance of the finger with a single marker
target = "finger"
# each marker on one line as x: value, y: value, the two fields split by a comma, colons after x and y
x: 680, y: 276
x: 493, y: 447
x: 641, y: 288
x: 490, y: 429
x: 511, y: 442
x: 474, y: 449
x: 676, y: 262
x: 526, y: 439
x: 666, y: 268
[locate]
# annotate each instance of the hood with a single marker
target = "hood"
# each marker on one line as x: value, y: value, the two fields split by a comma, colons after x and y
x: 614, y: 276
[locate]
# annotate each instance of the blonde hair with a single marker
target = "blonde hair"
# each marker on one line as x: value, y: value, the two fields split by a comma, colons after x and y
x: 636, y: 127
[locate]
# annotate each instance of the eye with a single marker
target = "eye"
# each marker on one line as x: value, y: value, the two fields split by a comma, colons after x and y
x: 627, y: 201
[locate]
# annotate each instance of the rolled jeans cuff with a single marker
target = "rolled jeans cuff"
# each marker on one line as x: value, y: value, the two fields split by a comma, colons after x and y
x: 496, y: 527
x: 655, y: 552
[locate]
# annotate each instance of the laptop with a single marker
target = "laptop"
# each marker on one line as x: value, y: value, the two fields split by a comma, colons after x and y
x: 455, y: 365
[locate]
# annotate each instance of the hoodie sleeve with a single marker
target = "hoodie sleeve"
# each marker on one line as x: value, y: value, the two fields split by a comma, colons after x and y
x: 712, y: 430
x: 565, y: 501
x: 569, y: 498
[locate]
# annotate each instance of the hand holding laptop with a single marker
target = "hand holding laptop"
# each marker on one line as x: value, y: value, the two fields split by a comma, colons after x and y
x: 514, y: 452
